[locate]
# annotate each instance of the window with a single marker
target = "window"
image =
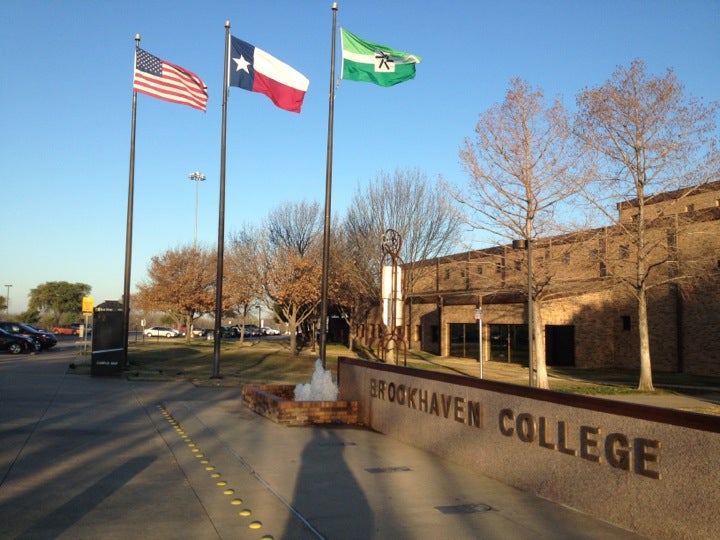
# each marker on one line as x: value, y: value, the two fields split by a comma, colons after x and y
x: 518, y: 265
x: 626, y: 323
x: 447, y: 273
x: 624, y: 251
x: 479, y: 269
x: 566, y: 258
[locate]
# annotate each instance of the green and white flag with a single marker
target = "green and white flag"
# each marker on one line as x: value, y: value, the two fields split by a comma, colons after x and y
x: 370, y: 62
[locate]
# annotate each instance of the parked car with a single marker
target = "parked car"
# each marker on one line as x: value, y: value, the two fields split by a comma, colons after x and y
x: 64, y: 330
x: 162, y: 331
x: 270, y: 331
x: 43, y: 339
x: 87, y: 330
x: 253, y: 330
x: 225, y: 332
x: 47, y: 339
x: 15, y: 344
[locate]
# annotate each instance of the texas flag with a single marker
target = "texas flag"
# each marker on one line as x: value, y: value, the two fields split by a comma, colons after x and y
x: 253, y: 69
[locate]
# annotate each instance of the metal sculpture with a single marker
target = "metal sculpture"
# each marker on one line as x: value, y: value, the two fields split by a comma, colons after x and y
x: 391, y: 292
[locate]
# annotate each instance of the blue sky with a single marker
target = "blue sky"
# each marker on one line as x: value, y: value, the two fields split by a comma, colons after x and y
x: 66, y: 98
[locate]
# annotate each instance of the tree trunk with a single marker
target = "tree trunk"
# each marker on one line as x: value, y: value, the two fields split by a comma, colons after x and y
x: 645, y: 384
x: 292, y: 327
x: 541, y: 380
x: 351, y: 333
x: 188, y: 328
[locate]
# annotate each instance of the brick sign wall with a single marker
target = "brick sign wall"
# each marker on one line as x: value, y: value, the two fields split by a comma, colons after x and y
x: 650, y: 470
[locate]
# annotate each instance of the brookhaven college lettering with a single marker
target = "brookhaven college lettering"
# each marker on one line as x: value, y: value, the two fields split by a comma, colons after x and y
x: 452, y: 407
x: 591, y: 443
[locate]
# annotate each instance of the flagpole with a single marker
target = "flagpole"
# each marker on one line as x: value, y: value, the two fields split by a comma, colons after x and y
x: 129, y: 224
x: 221, y: 214
x: 328, y: 197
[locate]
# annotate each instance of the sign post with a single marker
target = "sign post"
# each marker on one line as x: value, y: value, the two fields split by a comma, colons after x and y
x: 87, y: 309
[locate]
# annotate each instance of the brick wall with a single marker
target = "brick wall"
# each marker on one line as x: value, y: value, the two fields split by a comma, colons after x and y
x: 585, y: 273
x: 276, y: 402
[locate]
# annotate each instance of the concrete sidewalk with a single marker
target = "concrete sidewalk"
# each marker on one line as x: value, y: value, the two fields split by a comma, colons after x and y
x: 84, y: 457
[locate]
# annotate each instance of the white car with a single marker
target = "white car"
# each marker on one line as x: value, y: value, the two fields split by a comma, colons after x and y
x: 269, y: 331
x: 162, y: 331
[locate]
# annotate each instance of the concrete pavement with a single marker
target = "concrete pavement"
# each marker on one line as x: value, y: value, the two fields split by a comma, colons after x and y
x: 84, y: 457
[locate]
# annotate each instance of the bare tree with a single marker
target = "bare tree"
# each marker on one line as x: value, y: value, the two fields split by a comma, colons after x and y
x: 408, y: 202
x: 244, y: 272
x: 522, y: 167
x: 293, y: 263
x: 649, y: 138
x: 351, y: 285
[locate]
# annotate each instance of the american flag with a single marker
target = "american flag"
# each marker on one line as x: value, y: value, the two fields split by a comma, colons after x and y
x: 163, y: 80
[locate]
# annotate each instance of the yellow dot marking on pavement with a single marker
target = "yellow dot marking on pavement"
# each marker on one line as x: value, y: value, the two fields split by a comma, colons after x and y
x: 235, y: 502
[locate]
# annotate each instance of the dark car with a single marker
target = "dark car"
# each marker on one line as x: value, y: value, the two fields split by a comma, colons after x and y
x: 225, y: 333
x: 15, y: 344
x: 44, y: 340
x: 47, y: 339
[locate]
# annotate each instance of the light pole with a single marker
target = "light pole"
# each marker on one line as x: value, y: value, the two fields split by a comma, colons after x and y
x: 197, y: 177
x: 7, y: 299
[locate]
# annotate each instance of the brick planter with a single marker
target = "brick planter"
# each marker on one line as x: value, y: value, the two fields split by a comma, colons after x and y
x: 277, y: 402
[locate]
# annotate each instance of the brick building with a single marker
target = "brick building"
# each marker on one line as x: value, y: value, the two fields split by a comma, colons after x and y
x: 588, y: 313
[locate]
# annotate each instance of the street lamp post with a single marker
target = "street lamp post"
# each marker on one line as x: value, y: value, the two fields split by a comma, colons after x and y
x: 7, y: 299
x: 197, y: 177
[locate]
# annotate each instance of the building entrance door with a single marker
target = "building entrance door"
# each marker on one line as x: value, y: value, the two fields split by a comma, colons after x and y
x: 560, y: 345
x: 508, y: 343
x: 464, y: 340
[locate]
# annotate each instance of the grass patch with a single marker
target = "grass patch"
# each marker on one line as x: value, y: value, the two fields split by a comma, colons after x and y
x: 252, y: 361
x: 271, y: 362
